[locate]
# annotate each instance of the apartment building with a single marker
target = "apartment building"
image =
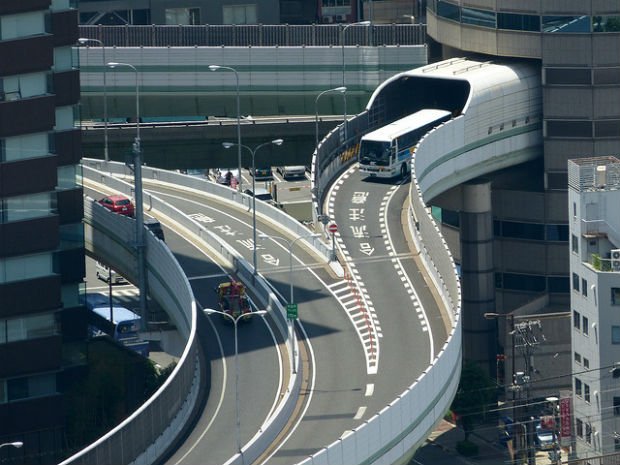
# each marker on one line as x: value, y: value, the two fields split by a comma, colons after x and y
x: 594, y: 218
x: 41, y: 239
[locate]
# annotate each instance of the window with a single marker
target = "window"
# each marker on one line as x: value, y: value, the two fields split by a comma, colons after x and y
x: 586, y: 363
x: 584, y: 325
x: 575, y: 209
x: 28, y: 387
x: 25, y: 267
x: 605, y: 23
x: 586, y: 392
x: 615, y: 334
x: 577, y: 358
x: 588, y: 433
x: 578, y: 388
x: 190, y: 16
x: 478, y: 17
x: 615, y: 296
x: 566, y: 24
x: 576, y: 320
x: 574, y: 244
x: 568, y: 129
x: 448, y: 10
x: 518, y: 22
x: 584, y: 287
x: 30, y: 327
x: 575, y: 282
x: 568, y: 76
x: 239, y: 14
x: 556, y: 232
x: 616, y: 405
x: 579, y: 428
x: 24, y: 207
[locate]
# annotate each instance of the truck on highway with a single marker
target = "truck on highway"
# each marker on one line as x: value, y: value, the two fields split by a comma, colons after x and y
x: 233, y: 301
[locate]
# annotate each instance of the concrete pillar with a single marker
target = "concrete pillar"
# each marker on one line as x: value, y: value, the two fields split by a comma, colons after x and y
x: 478, y: 277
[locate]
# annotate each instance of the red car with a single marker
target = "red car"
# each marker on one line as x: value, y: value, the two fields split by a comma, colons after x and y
x: 118, y: 204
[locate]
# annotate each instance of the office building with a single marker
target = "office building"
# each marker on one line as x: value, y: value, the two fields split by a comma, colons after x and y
x: 41, y: 209
x: 594, y: 218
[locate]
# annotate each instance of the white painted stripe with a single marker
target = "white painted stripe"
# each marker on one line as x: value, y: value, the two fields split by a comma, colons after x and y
x: 370, y: 389
x: 349, y: 302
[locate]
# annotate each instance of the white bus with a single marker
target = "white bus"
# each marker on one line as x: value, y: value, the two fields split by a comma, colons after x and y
x: 387, y: 151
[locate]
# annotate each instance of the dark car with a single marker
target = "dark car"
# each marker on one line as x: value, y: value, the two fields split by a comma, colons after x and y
x: 262, y: 172
x: 118, y: 204
x: 154, y: 226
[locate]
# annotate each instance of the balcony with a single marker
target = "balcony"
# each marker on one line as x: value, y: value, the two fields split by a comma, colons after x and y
x: 28, y: 176
x: 26, y: 55
x: 65, y: 27
x: 9, y: 8
x: 67, y: 87
x: 29, y: 236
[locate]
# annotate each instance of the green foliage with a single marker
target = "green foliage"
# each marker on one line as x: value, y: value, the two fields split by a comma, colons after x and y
x: 467, y: 448
x: 475, y: 393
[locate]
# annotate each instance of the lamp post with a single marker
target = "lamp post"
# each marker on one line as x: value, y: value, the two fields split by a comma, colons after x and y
x: 228, y: 145
x: 16, y: 444
x: 137, y: 173
x: 344, y: 95
x: 83, y: 41
x: 342, y: 90
x: 290, y: 244
x: 228, y: 68
x: 235, y: 321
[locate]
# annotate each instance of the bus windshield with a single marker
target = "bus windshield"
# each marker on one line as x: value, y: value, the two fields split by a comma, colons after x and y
x: 375, y: 152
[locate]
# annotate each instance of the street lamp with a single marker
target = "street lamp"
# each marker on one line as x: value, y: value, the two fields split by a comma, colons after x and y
x: 83, y: 41
x: 210, y: 311
x: 228, y: 145
x: 342, y: 90
x: 344, y: 95
x: 16, y: 444
x: 137, y: 173
x: 290, y: 244
x: 228, y: 68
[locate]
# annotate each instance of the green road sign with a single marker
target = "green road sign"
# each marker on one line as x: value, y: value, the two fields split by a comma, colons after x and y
x: 291, y: 311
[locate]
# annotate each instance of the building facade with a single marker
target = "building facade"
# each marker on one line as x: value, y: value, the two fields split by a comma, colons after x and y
x: 41, y: 209
x: 594, y: 217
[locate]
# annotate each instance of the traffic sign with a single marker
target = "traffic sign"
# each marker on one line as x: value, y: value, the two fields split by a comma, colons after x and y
x: 333, y: 228
x: 291, y: 311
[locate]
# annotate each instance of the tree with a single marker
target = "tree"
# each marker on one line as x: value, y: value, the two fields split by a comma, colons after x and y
x: 475, y: 393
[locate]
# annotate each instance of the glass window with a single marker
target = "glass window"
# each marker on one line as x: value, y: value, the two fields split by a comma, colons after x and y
x: 568, y: 128
x: 31, y: 386
x: 574, y: 243
x: 557, y: 232
x: 568, y: 76
x: 578, y: 387
x: 478, y: 17
x: 22, y: 25
x: 576, y: 319
x: 586, y: 392
x: 615, y: 295
x: 586, y: 363
x: 25, y: 267
x: 67, y: 177
x: 30, y: 327
x: 577, y: 358
x: 26, y: 146
x: 532, y: 231
x: 585, y: 325
x: 239, y: 14
x: 17, y: 389
x: 584, y: 287
x: 606, y: 24
x: 518, y: 22
x: 607, y: 128
x: 615, y: 334
x: 575, y: 282
x: 522, y: 282
x: 579, y: 428
x: 616, y: 405
x: 558, y: 284
x: 24, y: 207
x: 567, y: 24
x: 189, y: 16
x: 606, y: 76
x: 448, y: 10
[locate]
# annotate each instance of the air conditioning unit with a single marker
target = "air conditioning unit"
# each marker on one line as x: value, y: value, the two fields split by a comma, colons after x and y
x: 615, y: 259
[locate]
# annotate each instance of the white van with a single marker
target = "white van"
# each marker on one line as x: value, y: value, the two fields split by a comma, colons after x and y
x: 106, y: 274
x: 292, y: 171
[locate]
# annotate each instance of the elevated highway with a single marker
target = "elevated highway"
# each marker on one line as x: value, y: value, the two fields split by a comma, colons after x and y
x: 390, y: 434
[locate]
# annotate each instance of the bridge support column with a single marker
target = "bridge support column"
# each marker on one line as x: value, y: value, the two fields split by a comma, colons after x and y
x: 478, y: 277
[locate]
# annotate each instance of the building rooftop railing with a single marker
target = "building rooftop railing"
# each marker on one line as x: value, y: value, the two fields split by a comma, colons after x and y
x: 256, y: 35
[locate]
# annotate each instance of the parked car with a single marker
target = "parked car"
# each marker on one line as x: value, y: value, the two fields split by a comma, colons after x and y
x: 262, y: 172
x: 196, y: 172
x: 118, y: 204
x: 545, y: 438
x: 292, y: 171
x: 225, y: 176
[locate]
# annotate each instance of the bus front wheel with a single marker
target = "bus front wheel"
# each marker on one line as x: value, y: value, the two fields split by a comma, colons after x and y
x: 403, y: 171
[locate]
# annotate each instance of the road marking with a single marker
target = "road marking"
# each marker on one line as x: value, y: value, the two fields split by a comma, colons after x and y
x: 370, y: 389
x: 360, y: 413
